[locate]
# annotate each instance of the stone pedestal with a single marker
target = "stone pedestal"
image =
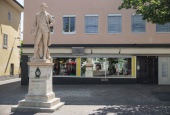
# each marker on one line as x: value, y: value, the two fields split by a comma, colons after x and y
x: 89, y: 70
x: 40, y: 97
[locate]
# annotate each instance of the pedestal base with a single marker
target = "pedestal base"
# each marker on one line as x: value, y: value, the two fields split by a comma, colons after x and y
x: 36, y: 109
x: 40, y: 97
x: 89, y: 70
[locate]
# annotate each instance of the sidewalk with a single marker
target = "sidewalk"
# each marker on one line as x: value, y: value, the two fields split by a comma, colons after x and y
x: 2, y: 78
x: 95, y: 99
x: 9, y: 79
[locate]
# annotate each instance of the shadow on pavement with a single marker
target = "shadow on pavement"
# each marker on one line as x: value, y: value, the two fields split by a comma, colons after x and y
x: 12, y: 93
x: 162, y: 96
x: 133, y: 110
x: 22, y: 113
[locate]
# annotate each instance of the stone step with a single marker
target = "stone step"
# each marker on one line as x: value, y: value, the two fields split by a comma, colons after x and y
x: 59, y: 105
x: 44, y: 98
x: 40, y: 104
x: 36, y: 109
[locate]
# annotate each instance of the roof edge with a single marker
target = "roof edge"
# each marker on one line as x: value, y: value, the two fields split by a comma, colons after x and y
x: 18, y: 4
x: 104, y: 45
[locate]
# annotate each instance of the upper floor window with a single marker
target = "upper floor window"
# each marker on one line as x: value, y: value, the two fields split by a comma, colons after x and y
x: 52, y: 28
x: 5, y: 41
x: 91, y: 23
x: 163, y: 28
x: 69, y: 24
x: 9, y: 16
x: 138, y: 24
x: 114, y: 23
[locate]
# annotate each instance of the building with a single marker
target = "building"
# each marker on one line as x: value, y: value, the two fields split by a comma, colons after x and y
x: 10, y: 14
x: 123, y: 47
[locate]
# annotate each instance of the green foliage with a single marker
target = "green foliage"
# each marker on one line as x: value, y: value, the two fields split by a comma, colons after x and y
x: 83, y: 60
x: 155, y: 11
x: 21, y: 43
x: 83, y: 70
x: 100, y: 60
x: 112, y: 62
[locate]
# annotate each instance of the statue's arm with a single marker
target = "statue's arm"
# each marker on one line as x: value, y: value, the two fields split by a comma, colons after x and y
x: 51, y: 20
x: 34, y: 27
x: 35, y: 21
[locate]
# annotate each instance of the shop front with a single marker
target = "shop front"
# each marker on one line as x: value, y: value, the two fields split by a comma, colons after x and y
x: 105, y: 70
x: 107, y: 65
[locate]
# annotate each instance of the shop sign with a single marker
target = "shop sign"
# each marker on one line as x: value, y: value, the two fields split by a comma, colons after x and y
x: 77, y: 50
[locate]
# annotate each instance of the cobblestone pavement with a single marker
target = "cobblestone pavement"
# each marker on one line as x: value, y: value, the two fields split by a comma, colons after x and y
x: 96, y: 99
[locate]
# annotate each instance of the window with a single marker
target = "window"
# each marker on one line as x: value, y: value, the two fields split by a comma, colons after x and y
x: 119, y: 67
x: 64, y: 66
x: 138, y: 24
x: 52, y: 28
x: 68, y: 24
x: 5, y: 41
x: 108, y: 67
x: 9, y: 16
x: 91, y: 24
x: 114, y: 23
x: 163, y: 28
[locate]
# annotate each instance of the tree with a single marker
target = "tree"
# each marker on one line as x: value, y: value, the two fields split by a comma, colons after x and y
x: 155, y: 11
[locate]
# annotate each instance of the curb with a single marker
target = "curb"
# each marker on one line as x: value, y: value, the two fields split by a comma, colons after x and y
x: 10, y: 81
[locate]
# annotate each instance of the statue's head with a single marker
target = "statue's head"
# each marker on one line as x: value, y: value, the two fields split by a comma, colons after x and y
x: 43, y: 6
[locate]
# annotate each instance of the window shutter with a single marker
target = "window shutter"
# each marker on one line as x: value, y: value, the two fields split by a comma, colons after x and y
x: 163, y: 28
x: 91, y: 24
x: 114, y: 24
x: 138, y: 24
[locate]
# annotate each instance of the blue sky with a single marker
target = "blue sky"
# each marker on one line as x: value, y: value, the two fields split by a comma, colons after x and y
x: 21, y: 2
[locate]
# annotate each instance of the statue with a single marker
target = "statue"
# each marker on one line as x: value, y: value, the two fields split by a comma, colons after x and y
x: 40, y: 97
x: 89, y: 68
x: 41, y: 33
x: 89, y: 60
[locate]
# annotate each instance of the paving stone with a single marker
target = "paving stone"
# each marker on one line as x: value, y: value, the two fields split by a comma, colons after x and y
x: 96, y: 99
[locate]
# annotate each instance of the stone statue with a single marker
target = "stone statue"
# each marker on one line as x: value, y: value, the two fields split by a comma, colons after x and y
x: 41, y: 33
x: 89, y: 60
x: 89, y: 68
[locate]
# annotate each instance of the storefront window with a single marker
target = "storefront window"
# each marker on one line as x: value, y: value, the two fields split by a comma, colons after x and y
x: 93, y: 67
x: 64, y: 67
x: 119, y: 67
x: 107, y: 67
x: 98, y: 68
